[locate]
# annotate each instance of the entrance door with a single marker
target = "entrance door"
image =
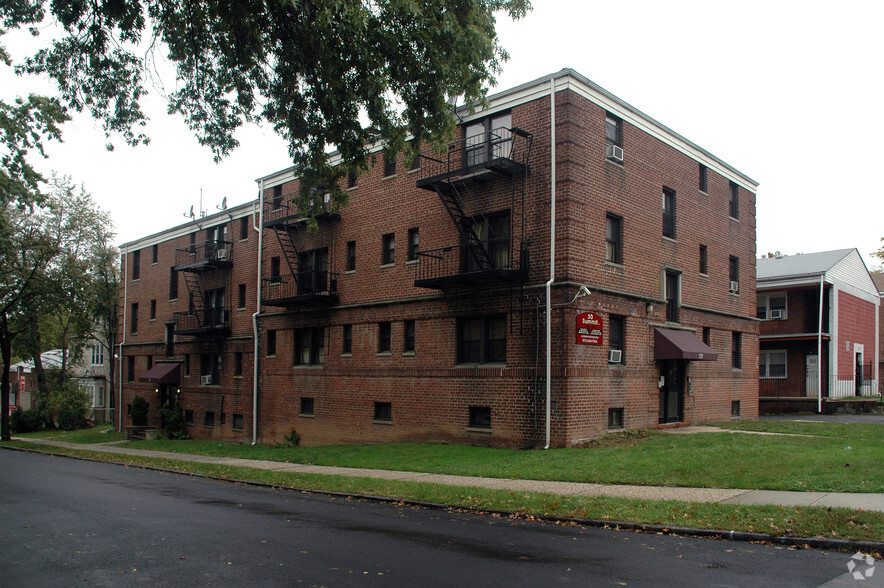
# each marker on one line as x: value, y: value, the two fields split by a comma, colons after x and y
x: 672, y: 391
x: 859, y: 373
x: 812, y: 375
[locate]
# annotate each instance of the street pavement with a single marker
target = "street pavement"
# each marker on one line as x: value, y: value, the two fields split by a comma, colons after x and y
x: 865, y: 501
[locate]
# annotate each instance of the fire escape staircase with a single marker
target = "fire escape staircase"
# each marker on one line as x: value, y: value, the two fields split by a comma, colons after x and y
x: 204, y: 267
x: 452, y: 199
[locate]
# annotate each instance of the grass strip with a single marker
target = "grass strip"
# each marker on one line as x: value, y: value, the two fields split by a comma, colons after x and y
x: 819, y: 522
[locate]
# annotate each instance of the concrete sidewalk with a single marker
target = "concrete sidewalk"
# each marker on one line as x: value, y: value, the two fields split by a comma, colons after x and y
x: 872, y: 502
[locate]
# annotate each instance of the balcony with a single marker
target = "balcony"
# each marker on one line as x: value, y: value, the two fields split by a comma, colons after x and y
x: 279, y: 212
x: 306, y: 288
x: 458, y: 265
x: 478, y: 159
x: 203, y: 256
x: 207, y: 322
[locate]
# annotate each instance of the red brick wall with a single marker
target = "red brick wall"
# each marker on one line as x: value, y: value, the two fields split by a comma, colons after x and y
x: 856, y: 324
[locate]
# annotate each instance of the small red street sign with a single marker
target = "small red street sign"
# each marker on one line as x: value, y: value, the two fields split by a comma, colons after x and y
x: 589, y: 329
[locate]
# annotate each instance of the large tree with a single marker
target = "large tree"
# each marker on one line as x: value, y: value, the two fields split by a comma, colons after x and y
x: 316, y: 70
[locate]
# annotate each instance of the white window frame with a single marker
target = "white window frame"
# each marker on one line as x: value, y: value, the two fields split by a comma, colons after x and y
x: 764, y: 364
x: 98, y: 353
x: 764, y: 300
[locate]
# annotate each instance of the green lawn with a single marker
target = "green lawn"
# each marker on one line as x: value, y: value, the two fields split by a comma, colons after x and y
x: 836, y: 458
x: 101, y: 434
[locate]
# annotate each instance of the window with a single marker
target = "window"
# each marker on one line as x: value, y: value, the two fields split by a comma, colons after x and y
x: 388, y: 252
x: 616, y: 339
x: 192, y: 244
x: 170, y: 339
x: 615, y: 418
x: 492, y: 246
x: 275, y: 268
x: 244, y: 228
x: 383, y: 411
x: 241, y: 296
x: 673, y: 296
x: 772, y: 365
x: 669, y: 213
x: 351, y: 179
x: 771, y: 306
x: 351, y: 256
x: 187, y: 365
x: 155, y: 253
x: 237, y: 364
x: 704, y: 173
x: 310, y: 346
x: 237, y: 422
x: 133, y: 320
x: 149, y: 362
x: 480, y: 417
x: 347, y: 339
x: 209, y: 419
x: 613, y: 239
x: 414, y: 242
x: 389, y: 165
x: 707, y: 335
x: 276, y: 200
x: 130, y: 368
x: 481, y: 339
x: 736, y: 350
x: 313, y: 271
x: 384, y: 337
x: 173, y: 284
x: 734, y: 201
x: 98, y: 354
x: 734, y: 273
x: 489, y: 138
x: 735, y: 408
x: 704, y: 260
x: 408, y: 336
x: 136, y: 265
x: 210, y: 369
x: 271, y: 343
x: 307, y: 406
x: 153, y: 310
x: 613, y: 130
x: 215, y: 308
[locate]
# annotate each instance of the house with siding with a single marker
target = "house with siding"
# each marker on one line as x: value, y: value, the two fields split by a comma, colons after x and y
x: 567, y: 267
x: 878, y: 278
x: 820, y: 324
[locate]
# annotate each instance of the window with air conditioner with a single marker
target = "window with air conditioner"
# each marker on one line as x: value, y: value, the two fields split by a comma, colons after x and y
x: 613, y: 138
x: 614, y: 356
x: 772, y: 307
x: 616, y: 338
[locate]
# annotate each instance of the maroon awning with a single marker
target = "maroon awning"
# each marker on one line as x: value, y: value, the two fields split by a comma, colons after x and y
x: 163, y: 373
x: 671, y: 344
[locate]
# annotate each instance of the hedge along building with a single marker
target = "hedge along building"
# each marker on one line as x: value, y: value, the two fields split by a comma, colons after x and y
x: 489, y: 296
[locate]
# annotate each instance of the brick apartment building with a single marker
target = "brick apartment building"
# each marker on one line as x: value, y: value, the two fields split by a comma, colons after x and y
x: 820, y: 323
x: 420, y: 310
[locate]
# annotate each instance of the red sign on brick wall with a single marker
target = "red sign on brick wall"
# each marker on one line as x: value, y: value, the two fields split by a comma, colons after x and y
x: 589, y: 329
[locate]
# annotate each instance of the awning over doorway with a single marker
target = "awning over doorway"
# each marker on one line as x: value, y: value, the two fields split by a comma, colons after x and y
x: 163, y: 373
x: 672, y: 344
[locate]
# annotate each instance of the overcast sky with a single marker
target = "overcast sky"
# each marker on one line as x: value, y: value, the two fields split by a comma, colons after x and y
x: 787, y: 92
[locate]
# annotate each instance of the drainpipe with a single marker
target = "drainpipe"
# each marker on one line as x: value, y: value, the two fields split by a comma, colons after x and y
x: 260, y: 229
x: 120, y: 355
x: 819, y: 352
x: 552, y: 247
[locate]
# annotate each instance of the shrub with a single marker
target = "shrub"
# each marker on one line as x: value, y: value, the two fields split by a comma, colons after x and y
x: 71, y: 405
x: 139, y: 410
x: 174, y: 417
x: 25, y: 421
x: 290, y: 440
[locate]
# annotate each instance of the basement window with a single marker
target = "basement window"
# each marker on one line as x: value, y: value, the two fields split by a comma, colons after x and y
x: 615, y: 418
x: 480, y: 417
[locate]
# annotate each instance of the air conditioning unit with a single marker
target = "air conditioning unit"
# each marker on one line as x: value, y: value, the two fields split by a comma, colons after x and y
x: 221, y: 255
x: 777, y: 313
x: 614, y: 153
x: 206, y: 380
x: 735, y: 286
x: 614, y: 355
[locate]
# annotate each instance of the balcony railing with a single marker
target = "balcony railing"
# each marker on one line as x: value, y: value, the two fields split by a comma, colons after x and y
x: 834, y: 386
x: 500, y: 151
x: 304, y: 286
x: 438, y: 268
x: 283, y: 210
x: 206, y: 321
x: 207, y: 253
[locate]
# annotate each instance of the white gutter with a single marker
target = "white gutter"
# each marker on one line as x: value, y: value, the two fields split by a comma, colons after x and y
x: 552, y: 247
x: 260, y: 229
x: 125, y: 273
x: 819, y: 351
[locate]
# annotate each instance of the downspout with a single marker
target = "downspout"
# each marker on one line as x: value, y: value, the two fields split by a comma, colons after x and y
x: 552, y: 248
x: 260, y: 229
x: 125, y: 273
x: 819, y: 351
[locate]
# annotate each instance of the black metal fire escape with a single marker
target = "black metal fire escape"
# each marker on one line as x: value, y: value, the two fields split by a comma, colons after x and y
x: 206, y: 270
x: 463, y: 177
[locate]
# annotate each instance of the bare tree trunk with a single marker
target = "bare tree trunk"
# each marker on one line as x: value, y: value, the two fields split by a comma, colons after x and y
x: 6, y: 353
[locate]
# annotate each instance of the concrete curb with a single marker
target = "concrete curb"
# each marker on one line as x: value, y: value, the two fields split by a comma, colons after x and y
x: 845, y: 545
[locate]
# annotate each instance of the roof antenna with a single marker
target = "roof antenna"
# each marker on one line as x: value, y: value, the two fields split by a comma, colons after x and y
x: 452, y: 102
x: 192, y: 217
x: 223, y: 207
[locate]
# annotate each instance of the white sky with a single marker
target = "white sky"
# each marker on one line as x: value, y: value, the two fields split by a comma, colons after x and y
x: 787, y: 92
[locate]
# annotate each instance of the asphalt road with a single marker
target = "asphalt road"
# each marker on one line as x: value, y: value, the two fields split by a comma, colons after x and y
x: 66, y: 522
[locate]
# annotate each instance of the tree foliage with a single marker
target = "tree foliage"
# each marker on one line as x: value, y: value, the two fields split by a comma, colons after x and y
x: 315, y: 70
x: 880, y: 255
